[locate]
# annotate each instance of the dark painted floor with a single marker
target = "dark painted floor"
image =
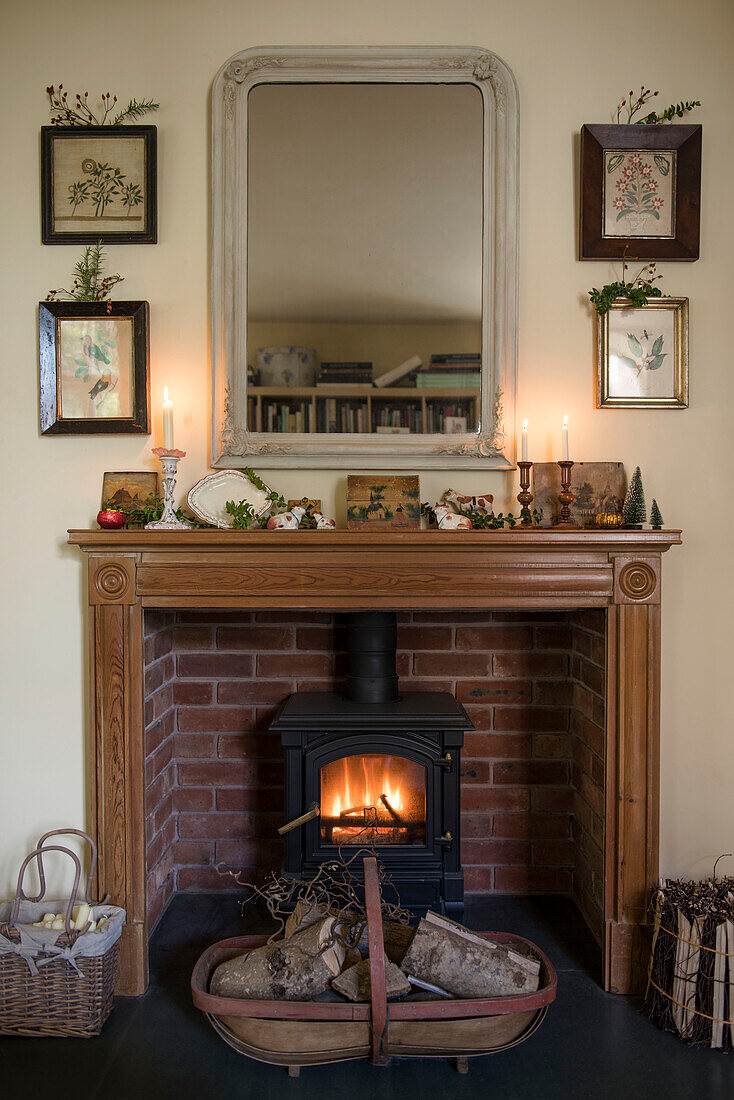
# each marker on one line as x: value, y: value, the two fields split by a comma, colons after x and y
x: 592, y: 1044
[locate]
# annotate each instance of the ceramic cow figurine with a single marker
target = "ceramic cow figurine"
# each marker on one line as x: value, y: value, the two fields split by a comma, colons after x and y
x: 287, y: 521
x: 451, y: 521
x: 322, y: 523
x: 463, y: 504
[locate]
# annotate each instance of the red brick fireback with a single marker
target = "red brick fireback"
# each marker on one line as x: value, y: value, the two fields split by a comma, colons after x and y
x: 532, y: 774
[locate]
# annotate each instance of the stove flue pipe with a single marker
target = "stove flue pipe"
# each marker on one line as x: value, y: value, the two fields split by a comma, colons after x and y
x: 372, y: 641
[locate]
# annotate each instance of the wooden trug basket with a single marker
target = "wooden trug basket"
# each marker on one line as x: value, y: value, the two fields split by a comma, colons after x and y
x: 302, y: 1033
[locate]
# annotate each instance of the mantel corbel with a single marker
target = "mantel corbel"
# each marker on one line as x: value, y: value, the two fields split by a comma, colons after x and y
x: 112, y: 579
x: 636, y: 579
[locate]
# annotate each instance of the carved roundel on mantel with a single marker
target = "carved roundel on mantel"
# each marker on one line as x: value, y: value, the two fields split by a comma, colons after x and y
x: 637, y: 580
x: 111, y: 582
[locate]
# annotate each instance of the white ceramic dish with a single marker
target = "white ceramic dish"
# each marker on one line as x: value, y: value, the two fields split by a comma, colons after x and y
x: 208, y: 498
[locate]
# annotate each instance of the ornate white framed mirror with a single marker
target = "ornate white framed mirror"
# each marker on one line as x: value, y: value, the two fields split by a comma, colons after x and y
x: 364, y: 258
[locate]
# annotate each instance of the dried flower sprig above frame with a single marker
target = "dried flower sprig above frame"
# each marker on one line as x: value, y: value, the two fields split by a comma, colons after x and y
x: 634, y: 104
x: 638, y: 290
x: 80, y: 114
x: 89, y: 285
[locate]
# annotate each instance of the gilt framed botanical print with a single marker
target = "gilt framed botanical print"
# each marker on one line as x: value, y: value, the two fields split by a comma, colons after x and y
x: 98, y: 183
x: 643, y: 355
x: 93, y: 360
x: 640, y: 192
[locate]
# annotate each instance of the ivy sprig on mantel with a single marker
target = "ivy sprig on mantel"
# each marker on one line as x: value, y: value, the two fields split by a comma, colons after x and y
x: 637, y: 290
x: 242, y: 512
x: 80, y: 113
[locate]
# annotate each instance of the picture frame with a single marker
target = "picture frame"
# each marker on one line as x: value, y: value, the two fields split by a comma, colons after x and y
x: 640, y: 192
x: 99, y: 183
x: 128, y: 489
x: 383, y: 502
x: 93, y: 362
x: 634, y: 343
x: 598, y: 487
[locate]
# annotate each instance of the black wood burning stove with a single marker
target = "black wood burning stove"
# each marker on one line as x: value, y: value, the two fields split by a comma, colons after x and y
x: 379, y: 769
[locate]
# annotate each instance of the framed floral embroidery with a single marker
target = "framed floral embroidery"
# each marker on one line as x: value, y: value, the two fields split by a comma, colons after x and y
x: 98, y: 183
x: 640, y: 192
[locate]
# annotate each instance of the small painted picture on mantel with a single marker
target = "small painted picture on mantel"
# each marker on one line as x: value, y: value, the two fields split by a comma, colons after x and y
x: 383, y: 502
x: 598, y: 487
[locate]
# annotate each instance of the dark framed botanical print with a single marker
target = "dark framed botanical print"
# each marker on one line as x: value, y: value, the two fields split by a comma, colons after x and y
x: 640, y: 192
x: 93, y: 360
x: 98, y: 183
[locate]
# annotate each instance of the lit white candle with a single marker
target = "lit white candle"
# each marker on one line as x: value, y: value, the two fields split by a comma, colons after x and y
x: 565, y: 438
x: 524, y: 441
x: 167, y: 421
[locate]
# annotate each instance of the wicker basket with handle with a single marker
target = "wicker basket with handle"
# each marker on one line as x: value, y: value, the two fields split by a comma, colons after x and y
x: 56, y: 984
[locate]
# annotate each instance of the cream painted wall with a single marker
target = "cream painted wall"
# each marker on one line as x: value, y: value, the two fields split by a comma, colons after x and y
x: 572, y: 59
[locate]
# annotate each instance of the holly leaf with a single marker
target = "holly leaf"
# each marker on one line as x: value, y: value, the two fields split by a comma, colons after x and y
x: 83, y: 373
x: 634, y: 344
x: 657, y: 346
x: 657, y: 362
x: 81, y: 362
x: 629, y: 362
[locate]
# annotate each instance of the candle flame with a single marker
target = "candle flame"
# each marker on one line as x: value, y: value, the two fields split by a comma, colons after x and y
x: 524, y: 425
x: 165, y: 393
x: 565, y: 421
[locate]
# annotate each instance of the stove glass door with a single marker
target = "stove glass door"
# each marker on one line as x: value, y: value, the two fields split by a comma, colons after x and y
x: 373, y: 798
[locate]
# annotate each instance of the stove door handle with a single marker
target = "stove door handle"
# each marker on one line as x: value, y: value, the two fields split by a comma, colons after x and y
x: 446, y: 841
x: 445, y: 761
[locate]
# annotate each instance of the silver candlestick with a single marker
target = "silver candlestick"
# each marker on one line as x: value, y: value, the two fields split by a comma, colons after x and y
x: 168, y: 521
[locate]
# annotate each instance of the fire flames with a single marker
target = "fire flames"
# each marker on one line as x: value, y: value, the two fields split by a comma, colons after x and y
x: 372, y: 798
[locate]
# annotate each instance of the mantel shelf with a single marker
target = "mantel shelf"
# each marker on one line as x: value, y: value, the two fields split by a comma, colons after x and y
x: 539, y: 538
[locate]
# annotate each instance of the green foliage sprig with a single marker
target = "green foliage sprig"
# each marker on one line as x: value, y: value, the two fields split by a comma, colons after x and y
x: 638, y: 290
x: 276, y: 498
x: 487, y: 522
x: 80, y: 114
x: 88, y: 285
x: 634, y: 104
x: 243, y: 514
x: 137, y: 515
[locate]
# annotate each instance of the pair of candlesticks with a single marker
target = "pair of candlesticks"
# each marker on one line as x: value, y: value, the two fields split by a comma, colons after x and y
x: 566, y: 497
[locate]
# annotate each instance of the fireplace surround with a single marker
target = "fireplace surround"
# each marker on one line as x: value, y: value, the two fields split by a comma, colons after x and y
x: 550, y: 569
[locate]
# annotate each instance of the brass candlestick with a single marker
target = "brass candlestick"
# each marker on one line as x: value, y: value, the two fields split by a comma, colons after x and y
x: 524, y: 497
x: 565, y: 496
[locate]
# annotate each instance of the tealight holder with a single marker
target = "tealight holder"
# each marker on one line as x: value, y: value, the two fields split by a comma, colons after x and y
x: 168, y: 520
x: 565, y: 496
x: 525, y: 497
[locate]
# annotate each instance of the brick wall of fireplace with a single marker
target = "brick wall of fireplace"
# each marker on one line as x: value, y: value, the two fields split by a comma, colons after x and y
x: 532, y: 785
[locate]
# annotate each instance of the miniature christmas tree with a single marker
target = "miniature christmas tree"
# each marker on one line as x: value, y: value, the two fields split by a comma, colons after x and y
x: 656, y: 518
x: 634, y: 510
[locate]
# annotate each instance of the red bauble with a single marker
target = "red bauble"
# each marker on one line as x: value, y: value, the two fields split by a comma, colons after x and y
x: 110, y: 519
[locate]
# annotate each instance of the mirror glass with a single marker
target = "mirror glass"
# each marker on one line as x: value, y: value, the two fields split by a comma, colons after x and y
x: 364, y: 258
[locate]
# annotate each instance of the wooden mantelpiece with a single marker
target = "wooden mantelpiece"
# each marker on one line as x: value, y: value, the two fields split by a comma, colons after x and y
x: 336, y: 570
